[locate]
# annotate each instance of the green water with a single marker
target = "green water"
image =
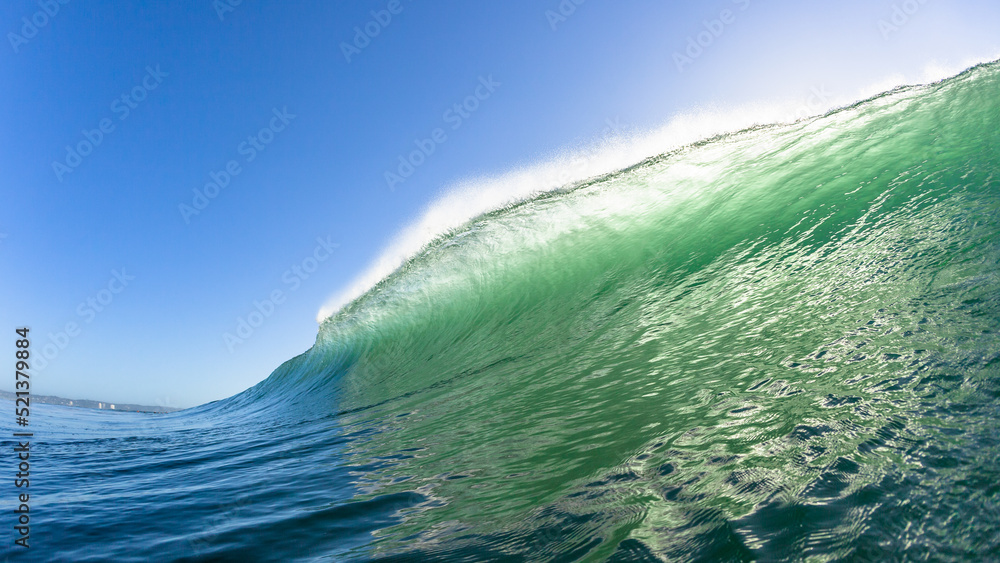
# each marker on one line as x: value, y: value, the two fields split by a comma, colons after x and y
x: 777, y: 344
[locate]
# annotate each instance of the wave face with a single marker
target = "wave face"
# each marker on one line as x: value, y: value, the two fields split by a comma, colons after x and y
x: 775, y: 344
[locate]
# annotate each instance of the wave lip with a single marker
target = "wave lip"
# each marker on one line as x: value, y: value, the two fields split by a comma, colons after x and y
x: 616, y: 150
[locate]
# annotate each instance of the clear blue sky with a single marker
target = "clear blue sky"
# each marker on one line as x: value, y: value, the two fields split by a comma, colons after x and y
x: 197, y: 86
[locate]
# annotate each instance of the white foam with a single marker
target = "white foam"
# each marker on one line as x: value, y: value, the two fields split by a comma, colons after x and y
x: 473, y: 197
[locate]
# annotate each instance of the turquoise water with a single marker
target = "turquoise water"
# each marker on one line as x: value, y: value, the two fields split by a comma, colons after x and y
x: 778, y: 344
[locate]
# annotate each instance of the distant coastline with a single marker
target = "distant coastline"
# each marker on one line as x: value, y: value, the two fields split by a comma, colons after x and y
x: 88, y: 404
